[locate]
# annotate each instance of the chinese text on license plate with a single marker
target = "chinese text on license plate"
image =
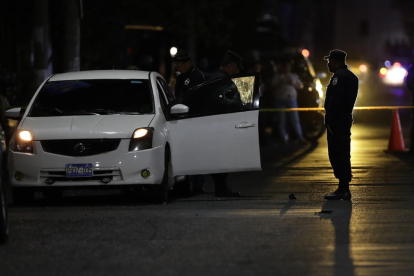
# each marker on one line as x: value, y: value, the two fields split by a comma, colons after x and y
x: 79, y: 170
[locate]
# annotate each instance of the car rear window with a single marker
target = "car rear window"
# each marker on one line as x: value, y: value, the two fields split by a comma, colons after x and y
x: 93, y: 97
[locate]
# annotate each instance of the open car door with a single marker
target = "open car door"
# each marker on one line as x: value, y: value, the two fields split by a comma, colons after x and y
x: 219, y: 131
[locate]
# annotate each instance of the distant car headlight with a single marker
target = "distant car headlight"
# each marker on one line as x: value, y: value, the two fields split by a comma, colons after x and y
x: 395, y: 75
x: 141, y: 139
x: 24, y: 142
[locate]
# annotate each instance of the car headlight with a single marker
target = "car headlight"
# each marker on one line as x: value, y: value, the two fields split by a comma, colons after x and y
x: 24, y: 142
x: 141, y: 139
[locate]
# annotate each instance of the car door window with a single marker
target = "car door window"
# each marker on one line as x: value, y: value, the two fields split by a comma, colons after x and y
x: 167, y: 90
x: 163, y: 101
x: 228, y: 95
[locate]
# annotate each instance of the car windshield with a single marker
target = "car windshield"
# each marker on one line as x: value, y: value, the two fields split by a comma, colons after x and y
x: 93, y: 97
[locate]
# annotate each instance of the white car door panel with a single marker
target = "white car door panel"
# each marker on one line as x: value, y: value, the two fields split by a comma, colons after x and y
x: 216, y: 144
x: 220, y: 132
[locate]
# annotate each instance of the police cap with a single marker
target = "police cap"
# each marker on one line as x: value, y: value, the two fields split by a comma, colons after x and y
x: 336, y: 54
x: 182, y: 56
x: 231, y: 56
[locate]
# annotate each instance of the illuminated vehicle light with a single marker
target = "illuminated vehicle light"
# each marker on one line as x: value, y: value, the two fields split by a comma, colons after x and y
x: 395, y: 76
x: 383, y: 72
x: 140, y: 133
x: 363, y: 68
x: 397, y: 64
x: 25, y: 135
x: 305, y: 52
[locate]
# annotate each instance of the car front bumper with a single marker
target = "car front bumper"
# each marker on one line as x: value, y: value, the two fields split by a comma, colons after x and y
x: 121, y: 166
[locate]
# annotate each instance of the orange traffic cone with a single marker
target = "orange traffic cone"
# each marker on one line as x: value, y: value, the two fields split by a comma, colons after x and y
x: 396, y: 142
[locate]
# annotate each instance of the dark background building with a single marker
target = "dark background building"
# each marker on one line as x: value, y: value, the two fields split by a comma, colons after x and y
x: 42, y: 37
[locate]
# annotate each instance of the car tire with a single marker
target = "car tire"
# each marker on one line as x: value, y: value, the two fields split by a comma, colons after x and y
x: 4, y: 224
x: 22, y: 195
x: 53, y: 194
x: 313, y: 126
x: 161, y: 190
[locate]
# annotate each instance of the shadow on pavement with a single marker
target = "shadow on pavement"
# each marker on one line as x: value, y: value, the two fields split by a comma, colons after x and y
x: 341, y: 219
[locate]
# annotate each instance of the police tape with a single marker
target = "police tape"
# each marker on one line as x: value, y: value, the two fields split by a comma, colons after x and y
x: 322, y: 109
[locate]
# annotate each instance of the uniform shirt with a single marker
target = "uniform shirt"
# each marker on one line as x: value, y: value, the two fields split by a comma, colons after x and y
x: 188, y: 80
x: 219, y: 74
x: 341, y: 95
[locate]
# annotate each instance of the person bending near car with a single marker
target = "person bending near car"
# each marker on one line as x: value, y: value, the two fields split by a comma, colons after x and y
x: 230, y: 65
x: 341, y: 95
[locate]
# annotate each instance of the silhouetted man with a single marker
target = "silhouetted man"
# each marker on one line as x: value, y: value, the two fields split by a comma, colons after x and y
x: 341, y: 95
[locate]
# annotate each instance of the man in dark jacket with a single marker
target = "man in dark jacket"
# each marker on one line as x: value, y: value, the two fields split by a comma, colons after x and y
x: 188, y: 75
x: 341, y: 95
x: 230, y: 65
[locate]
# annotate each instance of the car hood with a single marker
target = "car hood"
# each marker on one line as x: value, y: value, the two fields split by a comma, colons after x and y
x: 85, y: 127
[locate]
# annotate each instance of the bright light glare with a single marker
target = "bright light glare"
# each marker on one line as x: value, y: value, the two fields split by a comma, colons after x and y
x: 318, y: 87
x: 363, y: 68
x: 140, y: 133
x: 25, y: 135
x: 383, y: 72
x: 395, y: 76
x: 173, y: 51
x: 397, y: 64
x: 305, y: 52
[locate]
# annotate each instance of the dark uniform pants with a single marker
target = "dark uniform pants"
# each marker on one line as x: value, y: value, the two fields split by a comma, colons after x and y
x: 339, y: 149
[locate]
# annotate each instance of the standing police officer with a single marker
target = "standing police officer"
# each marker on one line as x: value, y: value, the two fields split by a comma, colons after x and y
x: 341, y: 95
x: 188, y: 75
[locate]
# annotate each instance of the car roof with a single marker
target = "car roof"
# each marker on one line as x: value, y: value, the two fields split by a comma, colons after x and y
x: 101, y: 74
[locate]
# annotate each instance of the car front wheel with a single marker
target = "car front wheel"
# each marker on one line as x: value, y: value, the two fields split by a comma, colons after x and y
x: 161, y: 190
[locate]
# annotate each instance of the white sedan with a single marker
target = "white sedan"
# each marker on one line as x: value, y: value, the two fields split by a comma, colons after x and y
x: 116, y: 128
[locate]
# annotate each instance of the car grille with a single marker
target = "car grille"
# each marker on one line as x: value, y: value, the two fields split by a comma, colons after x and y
x: 80, y: 147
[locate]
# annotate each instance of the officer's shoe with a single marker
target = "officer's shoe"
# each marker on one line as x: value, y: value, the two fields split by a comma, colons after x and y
x: 226, y: 192
x: 339, y: 194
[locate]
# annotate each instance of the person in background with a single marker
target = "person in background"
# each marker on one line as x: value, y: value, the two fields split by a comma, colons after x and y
x: 285, y: 84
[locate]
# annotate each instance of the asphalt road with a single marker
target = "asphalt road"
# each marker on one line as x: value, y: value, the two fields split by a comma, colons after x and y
x: 262, y: 233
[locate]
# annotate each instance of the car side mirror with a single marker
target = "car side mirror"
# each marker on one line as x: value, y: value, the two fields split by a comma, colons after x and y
x: 14, y: 113
x: 179, y: 109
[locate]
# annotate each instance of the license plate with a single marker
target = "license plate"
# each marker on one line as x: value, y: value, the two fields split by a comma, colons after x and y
x: 79, y: 170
